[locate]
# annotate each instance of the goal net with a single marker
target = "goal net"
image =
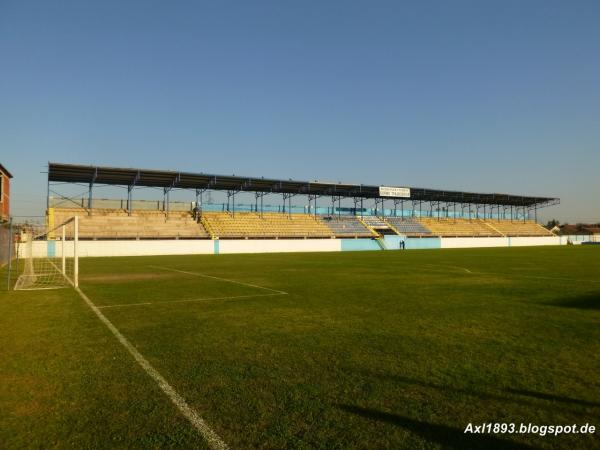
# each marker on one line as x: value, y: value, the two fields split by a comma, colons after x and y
x: 47, y: 258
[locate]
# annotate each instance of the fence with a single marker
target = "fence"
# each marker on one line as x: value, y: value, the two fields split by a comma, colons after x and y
x: 5, y: 244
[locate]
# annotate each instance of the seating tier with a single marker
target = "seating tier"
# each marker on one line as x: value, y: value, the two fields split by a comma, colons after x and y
x: 457, y: 227
x: 116, y: 224
x: 408, y: 226
x: 267, y: 225
x: 346, y: 226
x: 520, y: 228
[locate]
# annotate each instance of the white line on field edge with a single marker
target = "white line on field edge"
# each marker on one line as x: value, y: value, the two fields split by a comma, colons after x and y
x: 196, y: 274
x: 212, y: 438
x: 514, y: 275
x: 191, y: 300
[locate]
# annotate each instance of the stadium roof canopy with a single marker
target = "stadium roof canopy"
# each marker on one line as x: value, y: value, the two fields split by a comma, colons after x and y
x: 72, y: 173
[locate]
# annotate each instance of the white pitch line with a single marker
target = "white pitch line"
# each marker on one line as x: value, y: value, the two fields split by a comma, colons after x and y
x: 196, y: 274
x: 213, y: 439
x: 515, y: 275
x: 450, y: 267
x: 190, y: 300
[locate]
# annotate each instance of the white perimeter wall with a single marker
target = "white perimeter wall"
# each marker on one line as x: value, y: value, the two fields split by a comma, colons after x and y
x: 183, y: 247
x: 528, y: 241
x: 474, y: 242
x: 126, y: 248
x: 279, y: 245
x: 195, y: 247
x: 501, y: 241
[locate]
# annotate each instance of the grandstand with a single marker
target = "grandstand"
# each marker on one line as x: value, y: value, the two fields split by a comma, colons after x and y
x: 410, y: 213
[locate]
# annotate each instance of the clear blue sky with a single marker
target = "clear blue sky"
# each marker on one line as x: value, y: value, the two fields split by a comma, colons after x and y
x: 477, y: 95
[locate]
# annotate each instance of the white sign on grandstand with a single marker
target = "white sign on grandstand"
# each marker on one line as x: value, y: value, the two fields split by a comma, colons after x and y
x: 387, y: 191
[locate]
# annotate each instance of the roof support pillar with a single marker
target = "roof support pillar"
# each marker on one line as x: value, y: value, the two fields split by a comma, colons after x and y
x: 288, y: 197
x: 231, y: 194
x: 258, y: 195
x: 313, y: 198
x: 90, y: 193
x: 166, y: 200
x: 48, y: 193
x: 377, y: 200
x: 199, y: 196
x: 356, y: 201
x: 130, y: 193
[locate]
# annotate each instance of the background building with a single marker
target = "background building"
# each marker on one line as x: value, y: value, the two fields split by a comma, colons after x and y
x: 5, y: 177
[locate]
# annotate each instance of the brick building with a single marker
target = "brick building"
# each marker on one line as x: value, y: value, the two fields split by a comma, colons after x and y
x: 5, y: 177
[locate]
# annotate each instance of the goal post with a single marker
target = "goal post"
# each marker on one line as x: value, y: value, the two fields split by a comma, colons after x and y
x: 48, y: 257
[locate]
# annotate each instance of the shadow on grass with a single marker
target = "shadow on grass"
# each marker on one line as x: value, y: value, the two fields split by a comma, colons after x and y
x: 552, y: 397
x: 569, y: 402
x: 441, y: 434
x: 588, y: 301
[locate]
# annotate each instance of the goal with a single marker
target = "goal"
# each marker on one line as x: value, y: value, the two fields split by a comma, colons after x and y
x: 47, y: 258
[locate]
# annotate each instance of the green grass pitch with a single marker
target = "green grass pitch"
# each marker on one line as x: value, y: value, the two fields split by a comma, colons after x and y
x: 341, y: 350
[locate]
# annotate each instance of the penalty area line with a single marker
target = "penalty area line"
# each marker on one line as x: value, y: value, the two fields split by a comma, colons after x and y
x: 196, y: 274
x: 123, y: 305
x: 212, y: 438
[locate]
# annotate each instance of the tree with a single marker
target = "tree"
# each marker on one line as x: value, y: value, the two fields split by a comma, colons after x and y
x: 552, y: 223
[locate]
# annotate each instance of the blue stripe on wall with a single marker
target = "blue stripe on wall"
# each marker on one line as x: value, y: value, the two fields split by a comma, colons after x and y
x: 216, y: 246
x: 349, y: 245
x: 392, y: 242
x: 51, y: 249
x: 419, y: 243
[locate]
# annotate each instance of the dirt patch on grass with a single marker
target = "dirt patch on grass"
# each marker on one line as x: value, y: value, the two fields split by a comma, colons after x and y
x: 128, y: 277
